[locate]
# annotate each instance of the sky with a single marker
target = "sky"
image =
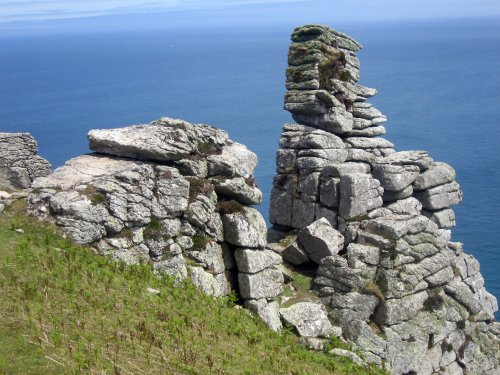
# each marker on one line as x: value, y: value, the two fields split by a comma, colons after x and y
x: 63, y: 15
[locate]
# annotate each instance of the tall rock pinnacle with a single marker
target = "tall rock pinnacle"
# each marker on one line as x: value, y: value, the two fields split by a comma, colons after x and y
x: 374, y: 223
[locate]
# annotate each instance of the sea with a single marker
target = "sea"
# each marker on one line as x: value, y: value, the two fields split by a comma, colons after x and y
x: 438, y: 83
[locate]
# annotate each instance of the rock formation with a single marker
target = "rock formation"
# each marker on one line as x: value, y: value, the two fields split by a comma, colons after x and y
x: 19, y: 162
x: 368, y: 226
x: 374, y: 223
x: 173, y: 194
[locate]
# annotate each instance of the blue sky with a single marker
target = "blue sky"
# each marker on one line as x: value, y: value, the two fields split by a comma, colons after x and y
x: 40, y: 13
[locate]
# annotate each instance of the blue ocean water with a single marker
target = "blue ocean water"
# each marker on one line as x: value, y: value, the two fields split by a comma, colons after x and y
x: 438, y: 83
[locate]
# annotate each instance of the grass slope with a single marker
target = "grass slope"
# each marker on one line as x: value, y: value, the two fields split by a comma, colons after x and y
x: 65, y: 310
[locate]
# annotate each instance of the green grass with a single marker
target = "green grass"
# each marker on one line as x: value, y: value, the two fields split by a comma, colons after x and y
x: 64, y: 310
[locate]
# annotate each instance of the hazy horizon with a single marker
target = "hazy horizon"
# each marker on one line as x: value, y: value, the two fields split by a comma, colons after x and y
x: 53, y: 16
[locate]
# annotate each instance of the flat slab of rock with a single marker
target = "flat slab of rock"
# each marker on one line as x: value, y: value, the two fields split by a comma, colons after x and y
x: 144, y: 142
x: 419, y: 158
x: 363, y: 142
x: 83, y: 169
x: 395, y: 177
x: 437, y: 174
x: 310, y: 319
x: 440, y: 197
x: 320, y: 240
x: 19, y: 163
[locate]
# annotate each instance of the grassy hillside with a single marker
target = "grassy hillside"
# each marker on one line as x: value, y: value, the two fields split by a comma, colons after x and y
x: 65, y: 310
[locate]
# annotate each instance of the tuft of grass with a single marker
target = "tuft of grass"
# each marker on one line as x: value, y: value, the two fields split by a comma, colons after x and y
x: 65, y: 310
x: 95, y: 196
x: 374, y: 289
x: 230, y: 207
x: 335, y: 342
x: 153, y: 229
x: 200, y: 241
x: 345, y: 76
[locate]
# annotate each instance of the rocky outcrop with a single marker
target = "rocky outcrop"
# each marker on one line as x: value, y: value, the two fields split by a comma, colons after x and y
x: 173, y: 194
x: 19, y: 162
x: 361, y: 247
x: 374, y: 224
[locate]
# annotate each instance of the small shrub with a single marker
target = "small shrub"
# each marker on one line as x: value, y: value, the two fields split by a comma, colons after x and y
x: 345, y: 76
x: 446, y: 346
x: 331, y: 69
x: 230, y: 207
x: 208, y: 148
x: 434, y: 302
x: 374, y: 289
x: 199, y: 186
x: 153, y: 229
x: 127, y: 233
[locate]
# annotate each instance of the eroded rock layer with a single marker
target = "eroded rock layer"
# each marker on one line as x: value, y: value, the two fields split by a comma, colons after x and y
x: 374, y: 224
x: 19, y: 162
x: 174, y: 194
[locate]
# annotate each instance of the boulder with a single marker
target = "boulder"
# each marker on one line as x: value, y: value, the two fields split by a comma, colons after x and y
x: 440, y: 197
x: 395, y: 177
x: 320, y: 240
x: 253, y: 261
x: 246, y: 227
x: 359, y: 193
x: 419, y: 158
x: 265, y: 284
x: 395, y: 311
x: 309, y: 319
x: 295, y: 254
x: 239, y: 189
x: 437, y: 174
x: 235, y: 160
x: 268, y: 312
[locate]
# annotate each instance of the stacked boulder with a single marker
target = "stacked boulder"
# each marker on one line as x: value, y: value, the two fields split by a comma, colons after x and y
x: 19, y: 162
x: 385, y: 268
x: 170, y: 193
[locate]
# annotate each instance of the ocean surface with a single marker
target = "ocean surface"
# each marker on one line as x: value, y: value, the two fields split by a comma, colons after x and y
x: 438, y: 83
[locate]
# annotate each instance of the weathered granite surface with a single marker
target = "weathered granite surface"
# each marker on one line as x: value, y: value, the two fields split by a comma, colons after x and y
x: 369, y: 223
x: 173, y: 194
x: 406, y: 296
x: 19, y: 162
